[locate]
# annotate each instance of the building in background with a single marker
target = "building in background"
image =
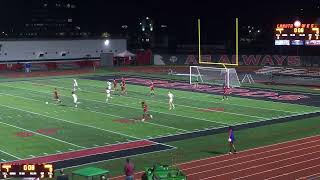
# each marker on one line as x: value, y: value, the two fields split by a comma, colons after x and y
x: 50, y: 18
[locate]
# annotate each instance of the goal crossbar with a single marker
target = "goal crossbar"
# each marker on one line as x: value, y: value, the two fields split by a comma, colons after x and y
x: 214, y: 76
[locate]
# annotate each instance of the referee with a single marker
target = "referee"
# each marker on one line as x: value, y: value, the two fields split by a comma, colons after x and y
x: 231, y: 140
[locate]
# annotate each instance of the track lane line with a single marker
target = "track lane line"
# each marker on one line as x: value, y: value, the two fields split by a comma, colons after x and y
x: 248, y: 151
x: 228, y: 167
x: 275, y: 169
x: 298, y: 173
x: 282, y: 145
x: 246, y: 161
x: 312, y: 176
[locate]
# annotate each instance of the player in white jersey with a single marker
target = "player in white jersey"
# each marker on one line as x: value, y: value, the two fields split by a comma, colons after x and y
x: 75, y: 99
x: 108, y: 93
x: 109, y: 85
x: 171, y: 105
x: 75, y: 85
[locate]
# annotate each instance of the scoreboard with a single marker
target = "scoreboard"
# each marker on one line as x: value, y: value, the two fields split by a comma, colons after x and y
x: 26, y: 170
x: 297, y: 34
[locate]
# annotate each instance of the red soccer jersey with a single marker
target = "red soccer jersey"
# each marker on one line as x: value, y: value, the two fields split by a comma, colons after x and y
x: 152, y: 87
x: 123, y: 86
x: 145, y: 108
x: 225, y: 89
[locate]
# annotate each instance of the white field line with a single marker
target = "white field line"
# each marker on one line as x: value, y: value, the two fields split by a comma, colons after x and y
x: 72, y: 150
x: 62, y: 152
x: 106, y: 114
x: 245, y: 162
x: 4, y: 152
x: 127, y: 106
x: 281, y: 90
x: 274, y: 168
x: 225, y: 112
x: 121, y: 158
x: 247, y: 122
x: 201, y: 130
x: 310, y: 177
x: 257, y: 148
x: 209, y: 95
x: 71, y: 122
x: 248, y: 150
x: 59, y: 119
x: 17, y: 127
x: 194, y: 107
x: 278, y: 117
x: 155, y: 124
x: 198, y: 108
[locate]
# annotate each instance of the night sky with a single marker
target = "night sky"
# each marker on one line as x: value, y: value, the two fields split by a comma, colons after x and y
x: 180, y: 16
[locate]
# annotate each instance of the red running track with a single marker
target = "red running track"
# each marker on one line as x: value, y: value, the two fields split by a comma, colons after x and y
x: 86, y: 152
x: 298, y: 159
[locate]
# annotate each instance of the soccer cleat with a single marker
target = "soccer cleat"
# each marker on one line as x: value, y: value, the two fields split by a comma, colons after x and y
x: 142, y: 120
x: 151, y: 116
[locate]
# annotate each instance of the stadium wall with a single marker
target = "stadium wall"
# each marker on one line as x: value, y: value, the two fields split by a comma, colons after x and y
x: 55, y: 50
x: 244, y: 60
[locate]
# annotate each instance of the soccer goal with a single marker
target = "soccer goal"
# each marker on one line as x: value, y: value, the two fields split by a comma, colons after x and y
x: 214, y: 76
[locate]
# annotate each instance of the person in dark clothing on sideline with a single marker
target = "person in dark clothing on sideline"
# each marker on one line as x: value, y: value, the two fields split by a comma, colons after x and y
x: 231, y: 140
x: 129, y: 170
x: 62, y: 176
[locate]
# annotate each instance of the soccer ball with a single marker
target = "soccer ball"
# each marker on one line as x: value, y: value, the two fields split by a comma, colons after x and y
x: 47, y: 103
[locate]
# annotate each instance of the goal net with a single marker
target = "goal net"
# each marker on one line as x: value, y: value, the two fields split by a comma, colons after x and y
x: 214, y: 76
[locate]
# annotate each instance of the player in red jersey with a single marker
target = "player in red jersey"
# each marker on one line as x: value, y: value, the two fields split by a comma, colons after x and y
x: 226, y: 91
x: 151, y: 89
x: 56, y: 96
x: 115, y: 84
x: 123, y: 88
x: 123, y: 81
x: 145, y: 111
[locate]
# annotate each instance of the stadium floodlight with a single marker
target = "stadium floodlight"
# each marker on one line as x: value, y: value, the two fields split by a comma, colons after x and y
x: 107, y: 42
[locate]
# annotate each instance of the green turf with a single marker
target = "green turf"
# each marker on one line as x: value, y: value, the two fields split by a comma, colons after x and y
x: 214, y: 145
x: 97, y: 123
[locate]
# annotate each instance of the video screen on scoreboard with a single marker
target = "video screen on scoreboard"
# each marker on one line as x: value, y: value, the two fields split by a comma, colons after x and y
x: 297, y: 34
x: 297, y: 42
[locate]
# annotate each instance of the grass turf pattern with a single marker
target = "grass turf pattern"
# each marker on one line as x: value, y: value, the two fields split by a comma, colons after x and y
x: 96, y: 123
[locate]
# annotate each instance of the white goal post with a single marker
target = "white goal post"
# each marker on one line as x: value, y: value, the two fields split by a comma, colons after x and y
x: 214, y: 76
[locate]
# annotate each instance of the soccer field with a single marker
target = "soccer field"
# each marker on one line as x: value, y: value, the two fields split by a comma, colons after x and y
x: 32, y: 128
